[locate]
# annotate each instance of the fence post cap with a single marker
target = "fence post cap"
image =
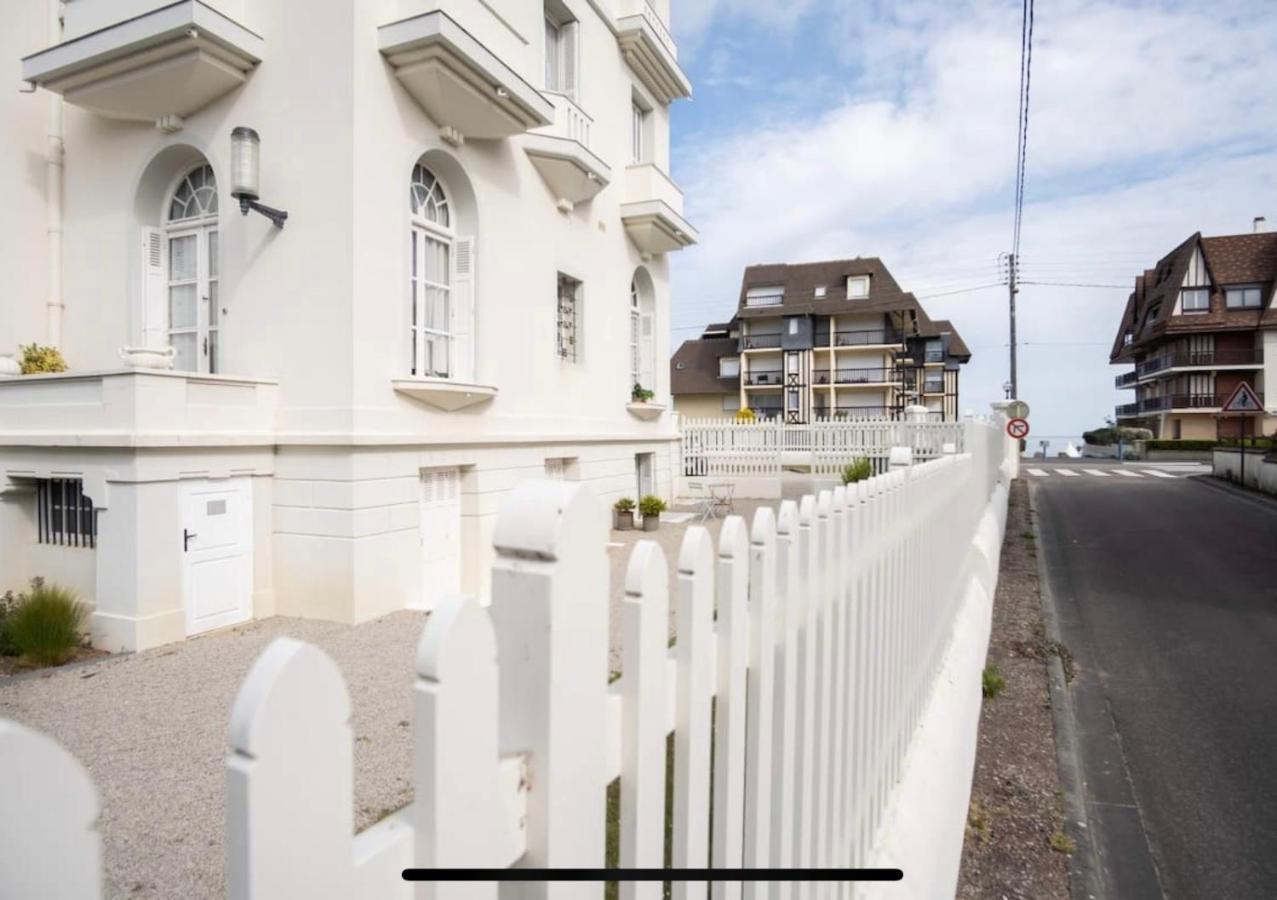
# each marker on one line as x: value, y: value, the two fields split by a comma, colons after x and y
x: 289, y: 675
x: 949, y: 448
x: 532, y: 517
x: 458, y: 622
x: 900, y: 456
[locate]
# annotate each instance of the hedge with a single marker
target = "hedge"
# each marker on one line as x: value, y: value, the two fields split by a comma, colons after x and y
x: 1257, y: 443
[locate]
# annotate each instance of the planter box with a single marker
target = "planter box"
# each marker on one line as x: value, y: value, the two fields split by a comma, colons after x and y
x: 651, y: 523
x: 623, y: 520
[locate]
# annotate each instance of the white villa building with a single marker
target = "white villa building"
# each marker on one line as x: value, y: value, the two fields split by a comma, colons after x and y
x: 320, y: 417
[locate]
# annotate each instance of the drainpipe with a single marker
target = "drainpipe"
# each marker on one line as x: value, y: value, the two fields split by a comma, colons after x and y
x: 55, y: 153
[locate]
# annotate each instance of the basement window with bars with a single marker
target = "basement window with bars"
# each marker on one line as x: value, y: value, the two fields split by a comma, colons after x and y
x: 64, y: 514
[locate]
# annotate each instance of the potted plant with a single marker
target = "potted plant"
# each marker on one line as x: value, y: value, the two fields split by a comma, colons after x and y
x: 623, y: 514
x: 650, y: 508
x: 641, y: 394
x: 37, y: 360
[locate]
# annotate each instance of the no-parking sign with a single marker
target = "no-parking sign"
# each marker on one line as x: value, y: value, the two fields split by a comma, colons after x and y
x: 1018, y: 428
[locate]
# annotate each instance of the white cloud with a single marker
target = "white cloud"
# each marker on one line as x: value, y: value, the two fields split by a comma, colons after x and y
x: 914, y: 163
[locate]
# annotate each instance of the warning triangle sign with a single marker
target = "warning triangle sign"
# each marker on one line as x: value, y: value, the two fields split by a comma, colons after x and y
x: 1243, y: 400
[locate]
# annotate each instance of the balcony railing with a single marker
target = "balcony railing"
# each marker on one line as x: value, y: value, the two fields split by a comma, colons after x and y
x: 1186, y: 401
x: 765, y: 379
x: 933, y: 387
x: 865, y: 338
x: 1126, y: 379
x: 1128, y: 410
x: 857, y: 376
x: 760, y: 341
x: 653, y: 18
x: 1243, y: 356
x: 570, y: 121
x: 856, y: 412
x: 934, y: 356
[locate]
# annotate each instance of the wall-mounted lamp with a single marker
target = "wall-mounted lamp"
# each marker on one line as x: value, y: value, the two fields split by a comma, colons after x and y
x: 246, y: 175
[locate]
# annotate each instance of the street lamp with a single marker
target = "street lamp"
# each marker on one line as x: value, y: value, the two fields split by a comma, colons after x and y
x: 246, y: 175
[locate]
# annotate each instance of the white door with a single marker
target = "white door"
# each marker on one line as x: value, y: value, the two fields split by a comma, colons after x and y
x: 643, y: 474
x: 440, y: 536
x: 217, y: 553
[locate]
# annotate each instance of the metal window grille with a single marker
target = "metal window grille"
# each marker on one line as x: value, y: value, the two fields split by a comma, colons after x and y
x: 568, y: 314
x: 64, y: 514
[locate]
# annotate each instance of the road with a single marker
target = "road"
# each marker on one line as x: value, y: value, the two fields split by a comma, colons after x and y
x: 1165, y: 590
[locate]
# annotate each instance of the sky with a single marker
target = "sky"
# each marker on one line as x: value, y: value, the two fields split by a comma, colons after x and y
x: 825, y: 129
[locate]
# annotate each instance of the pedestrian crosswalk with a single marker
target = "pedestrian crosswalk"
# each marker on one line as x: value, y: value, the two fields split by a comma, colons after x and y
x: 1115, y: 471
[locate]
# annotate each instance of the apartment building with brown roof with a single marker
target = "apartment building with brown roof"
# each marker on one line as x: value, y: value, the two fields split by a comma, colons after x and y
x: 828, y: 340
x: 1197, y: 324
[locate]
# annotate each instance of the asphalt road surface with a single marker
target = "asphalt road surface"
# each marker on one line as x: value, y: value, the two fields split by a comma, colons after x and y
x: 1166, y: 594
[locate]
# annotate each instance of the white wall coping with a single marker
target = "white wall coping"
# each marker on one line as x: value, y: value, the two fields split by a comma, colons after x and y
x: 98, y: 374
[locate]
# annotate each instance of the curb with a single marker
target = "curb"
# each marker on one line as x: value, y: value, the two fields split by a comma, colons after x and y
x: 1256, y: 498
x: 1085, y: 882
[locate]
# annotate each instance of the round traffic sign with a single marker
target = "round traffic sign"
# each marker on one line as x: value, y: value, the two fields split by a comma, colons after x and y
x: 1018, y: 428
x: 1018, y: 409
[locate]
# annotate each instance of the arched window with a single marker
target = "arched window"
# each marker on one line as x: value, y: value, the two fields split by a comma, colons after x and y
x: 428, y: 199
x: 432, y: 249
x: 191, y: 270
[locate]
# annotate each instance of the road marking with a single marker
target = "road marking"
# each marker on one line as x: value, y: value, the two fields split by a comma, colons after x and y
x: 1156, y: 474
x: 1096, y: 472
x: 1039, y: 473
x: 1127, y: 473
x: 1067, y: 473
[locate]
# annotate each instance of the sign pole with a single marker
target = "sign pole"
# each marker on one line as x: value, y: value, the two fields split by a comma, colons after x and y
x: 1244, y: 418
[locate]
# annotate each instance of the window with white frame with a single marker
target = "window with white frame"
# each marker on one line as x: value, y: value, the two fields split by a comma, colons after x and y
x: 857, y: 287
x: 731, y: 403
x: 1194, y: 300
x: 560, y: 50
x: 771, y: 295
x: 729, y: 367
x: 191, y: 273
x: 1245, y: 296
x: 568, y: 319
x: 638, y: 133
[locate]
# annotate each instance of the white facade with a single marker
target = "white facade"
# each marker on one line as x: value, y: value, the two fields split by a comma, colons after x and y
x: 352, y: 412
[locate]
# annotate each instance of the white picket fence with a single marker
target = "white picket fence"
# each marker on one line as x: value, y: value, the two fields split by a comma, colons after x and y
x: 808, y: 643
x: 726, y: 449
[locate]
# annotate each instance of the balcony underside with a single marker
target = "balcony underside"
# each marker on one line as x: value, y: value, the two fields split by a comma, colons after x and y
x: 655, y: 227
x: 571, y: 171
x: 651, y: 60
x: 170, y: 62
x: 460, y: 84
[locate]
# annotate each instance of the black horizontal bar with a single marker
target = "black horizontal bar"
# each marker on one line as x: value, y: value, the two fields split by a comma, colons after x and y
x: 517, y: 875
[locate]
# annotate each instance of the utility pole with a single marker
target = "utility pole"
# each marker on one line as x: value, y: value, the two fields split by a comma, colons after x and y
x: 1011, y: 292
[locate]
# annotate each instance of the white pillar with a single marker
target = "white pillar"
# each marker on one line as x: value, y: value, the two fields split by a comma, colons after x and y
x: 1000, y: 418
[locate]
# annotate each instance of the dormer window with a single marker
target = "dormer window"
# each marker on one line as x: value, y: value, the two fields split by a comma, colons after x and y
x: 857, y: 287
x: 820, y: 292
x: 764, y: 296
x: 1245, y: 296
x: 1194, y: 300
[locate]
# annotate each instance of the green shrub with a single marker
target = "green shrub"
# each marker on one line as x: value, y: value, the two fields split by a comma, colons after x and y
x: 1180, y: 445
x: 625, y: 504
x: 36, y: 360
x: 7, y: 604
x: 651, y: 505
x: 857, y: 470
x: 640, y: 394
x: 992, y: 682
x: 46, y: 624
x: 1110, y: 435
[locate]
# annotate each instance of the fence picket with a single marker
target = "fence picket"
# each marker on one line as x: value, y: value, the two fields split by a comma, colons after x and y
x: 455, y: 760
x: 694, y: 652
x: 784, y: 713
x: 549, y: 606
x: 760, y: 692
x: 805, y: 757
x: 821, y: 537
x: 289, y: 732
x: 645, y: 619
x: 729, y: 705
x: 49, y: 844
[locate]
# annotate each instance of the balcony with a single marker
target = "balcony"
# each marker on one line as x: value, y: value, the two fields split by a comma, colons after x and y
x: 1186, y: 402
x: 855, y: 412
x: 561, y: 153
x: 648, y: 48
x: 136, y: 408
x: 1126, y: 379
x: 461, y: 84
x: 868, y: 338
x: 1128, y: 410
x: 170, y: 62
x: 1240, y: 358
x: 767, y: 341
x: 764, y: 379
x: 652, y: 211
x: 877, y: 377
x: 933, y: 356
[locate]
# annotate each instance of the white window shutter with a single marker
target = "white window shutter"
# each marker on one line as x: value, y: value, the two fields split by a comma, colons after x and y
x: 569, y: 44
x: 154, y: 314
x: 647, y: 352
x: 463, y: 312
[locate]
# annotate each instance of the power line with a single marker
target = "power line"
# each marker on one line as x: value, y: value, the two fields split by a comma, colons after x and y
x: 965, y: 290
x: 1022, y: 135
x: 1076, y: 284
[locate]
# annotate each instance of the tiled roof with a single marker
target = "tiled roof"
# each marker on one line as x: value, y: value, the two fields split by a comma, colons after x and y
x: 694, y: 367
x: 800, y: 280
